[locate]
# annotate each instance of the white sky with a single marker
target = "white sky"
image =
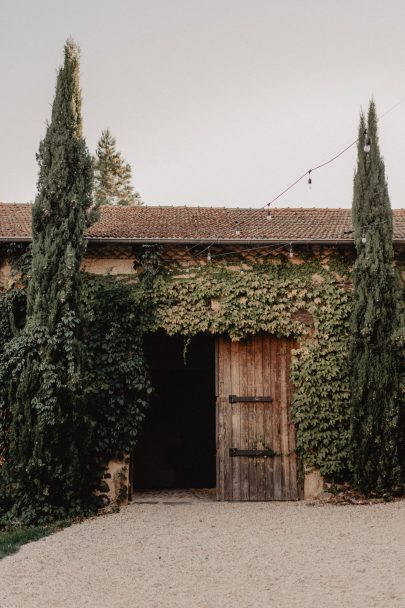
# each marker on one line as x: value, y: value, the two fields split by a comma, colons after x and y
x: 213, y: 102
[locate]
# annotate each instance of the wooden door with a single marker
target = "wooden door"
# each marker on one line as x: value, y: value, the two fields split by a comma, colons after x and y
x: 249, y: 431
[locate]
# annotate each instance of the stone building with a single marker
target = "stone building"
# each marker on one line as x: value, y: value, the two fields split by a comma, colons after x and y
x: 247, y: 296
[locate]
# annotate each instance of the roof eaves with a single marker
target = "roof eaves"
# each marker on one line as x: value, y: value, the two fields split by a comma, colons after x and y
x: 15, y: 239
x: 204, y: 241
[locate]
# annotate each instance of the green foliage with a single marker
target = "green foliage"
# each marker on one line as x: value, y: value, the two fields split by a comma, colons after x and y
x: 48, y: 466
x: 234, y: 298
x: 59, y: 214
x: 116, y: 385
x: 241, y: 299
x: 321, y: 405
x: 12, y: 315
x: 12, y: 318
x: 48, y: 471
x: 376, y: 419
x: 112, y: 175
x: 19, y: 257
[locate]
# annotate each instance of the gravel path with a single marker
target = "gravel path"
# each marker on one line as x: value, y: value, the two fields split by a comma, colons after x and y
x: 189, y: 552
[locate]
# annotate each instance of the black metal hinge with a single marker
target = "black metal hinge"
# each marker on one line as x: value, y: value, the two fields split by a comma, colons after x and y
x: 252, y: 453
x: 236, y: 399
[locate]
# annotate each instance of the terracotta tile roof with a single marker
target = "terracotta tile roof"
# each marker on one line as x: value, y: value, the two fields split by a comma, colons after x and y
x: 208, y: 224
x: 15, y: 221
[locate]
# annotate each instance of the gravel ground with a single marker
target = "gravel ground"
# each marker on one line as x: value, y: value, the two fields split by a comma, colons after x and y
x: 189, y: 552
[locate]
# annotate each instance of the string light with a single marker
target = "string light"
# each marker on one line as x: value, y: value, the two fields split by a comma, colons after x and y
x: 269, y: 216
x: 367, y: 148
x: 309, y: 172
x: 272, y: 250
x: 209, y: 256
x: 290, y: 251
x: 205, y: 248
x: 364, y: 239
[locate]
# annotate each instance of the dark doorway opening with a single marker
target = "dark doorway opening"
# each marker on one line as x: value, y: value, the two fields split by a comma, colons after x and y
x: 177, y: 446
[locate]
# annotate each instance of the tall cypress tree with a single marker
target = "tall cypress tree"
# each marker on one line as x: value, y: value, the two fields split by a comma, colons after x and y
x: 59, y: 215
x: 375, y: 421
x: 112, y: 175
x: 48, y: 472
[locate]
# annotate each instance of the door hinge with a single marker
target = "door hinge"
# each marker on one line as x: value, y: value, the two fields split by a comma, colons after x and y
x: 252, y: 453
x: 236, y: 399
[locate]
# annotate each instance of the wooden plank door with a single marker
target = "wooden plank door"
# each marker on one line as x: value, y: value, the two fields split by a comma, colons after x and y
x: 248, y: 430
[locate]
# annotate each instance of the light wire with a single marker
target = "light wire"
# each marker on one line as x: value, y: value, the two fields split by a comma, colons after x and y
x: 310, y: 171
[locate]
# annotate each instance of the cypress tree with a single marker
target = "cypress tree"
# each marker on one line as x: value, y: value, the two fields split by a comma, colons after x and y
x: 375, y: 359
x: 112, y: 175
x: 49, y: 471
x: 59, y: 216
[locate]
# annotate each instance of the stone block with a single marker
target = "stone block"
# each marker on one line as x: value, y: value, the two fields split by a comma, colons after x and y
x: 313, y: 485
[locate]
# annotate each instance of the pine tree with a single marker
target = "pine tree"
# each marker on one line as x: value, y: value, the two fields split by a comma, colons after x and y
x: 48, y: 472
x: 112, y: 175
x: 376, y: 411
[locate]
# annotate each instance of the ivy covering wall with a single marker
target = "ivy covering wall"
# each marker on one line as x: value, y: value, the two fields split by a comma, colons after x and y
x: 243, y: 298
x: 115, y: 384
x: 116, y: 378
x: 309, y: 301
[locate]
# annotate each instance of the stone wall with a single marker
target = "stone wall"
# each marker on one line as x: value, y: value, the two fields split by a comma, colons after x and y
x: 115, y: 258
x: 114, y: 489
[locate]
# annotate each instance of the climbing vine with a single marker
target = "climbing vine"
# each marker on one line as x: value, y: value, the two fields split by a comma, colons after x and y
x: 309, y: 302
x: 277, y: 297
x: 115, y: 376
x: 116, y: 381
x: 114, y: 386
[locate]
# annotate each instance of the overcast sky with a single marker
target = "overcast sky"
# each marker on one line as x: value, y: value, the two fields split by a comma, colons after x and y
x: 213, y: 102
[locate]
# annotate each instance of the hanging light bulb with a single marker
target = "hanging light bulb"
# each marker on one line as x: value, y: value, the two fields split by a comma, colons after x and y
x: 367, y: 142
x: 269, y: 216
x: 237, y: 231
x: 291, y: 252
x: 209, y: 256
x: 309, y: 179
x: 364, y: 239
